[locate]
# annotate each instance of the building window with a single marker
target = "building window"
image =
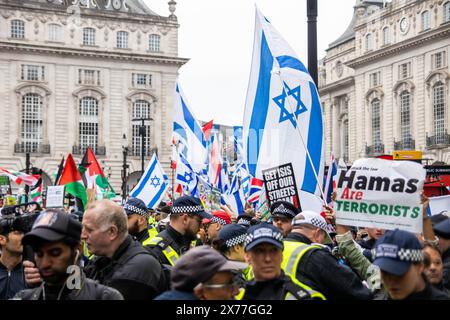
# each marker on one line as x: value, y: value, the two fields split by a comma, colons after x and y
x: 154, y: 42
x: 89, y: 77
x: 141, y: 109
x: 369, y: 42
x: 447, y: 12
x: 440, y: 123
x: 425, y: 20
x: 89, y: 36
x: 376, y: 122
x: 405, y: 116
x: 32, y: 73
x: 438, y: 60
x: 88, y: 125
x: 32, y: 123
x: 374, y: 79
x: 17, y: 29
x: 386, y: 39
x: 141, y: 80
x: 404, y: 70
x: 122, y: 40
x: 55, y: 33
x: 345, y: 137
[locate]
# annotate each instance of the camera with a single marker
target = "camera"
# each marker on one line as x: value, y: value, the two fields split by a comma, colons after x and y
x: 18, y: 218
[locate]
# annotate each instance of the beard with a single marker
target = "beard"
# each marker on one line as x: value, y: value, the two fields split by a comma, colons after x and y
x: 56, y: 277
x: 133, y: 229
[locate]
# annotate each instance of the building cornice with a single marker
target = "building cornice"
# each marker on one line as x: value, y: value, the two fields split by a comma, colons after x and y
x: 442, y: 32
x: 98, y: 54
x: 346, y: 82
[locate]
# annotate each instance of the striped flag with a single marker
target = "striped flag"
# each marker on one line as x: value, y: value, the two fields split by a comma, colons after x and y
x: 19, y: 177
x: 255, y: 190
x: 332, y: 171
x: 153, y: 184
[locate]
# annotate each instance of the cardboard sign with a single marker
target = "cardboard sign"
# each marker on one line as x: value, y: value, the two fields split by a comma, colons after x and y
x: 378, y: 193
x: 55, y: 197
x: 280, y: 184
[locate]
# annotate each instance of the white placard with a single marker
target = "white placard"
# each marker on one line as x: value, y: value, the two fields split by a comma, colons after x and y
x: 378, y: 193
x: 439, y: 204
x: 55, y: 197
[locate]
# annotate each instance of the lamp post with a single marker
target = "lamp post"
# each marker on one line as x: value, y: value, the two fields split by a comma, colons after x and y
x: 27, y: 171
x: 124, y: 167
x: 142, y: 133
x: 311, y: 11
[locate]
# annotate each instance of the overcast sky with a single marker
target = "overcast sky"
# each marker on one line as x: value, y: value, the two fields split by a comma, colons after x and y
x: 217, y: 37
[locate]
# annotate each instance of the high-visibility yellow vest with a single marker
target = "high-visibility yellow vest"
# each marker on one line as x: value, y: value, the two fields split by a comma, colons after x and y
x: 152, y: 221
x: 86, y: 252
x: 152, y: 232
x: 292, y: 254
x: 289, y: 296
x: 171, y: 255
x: 248, y: 273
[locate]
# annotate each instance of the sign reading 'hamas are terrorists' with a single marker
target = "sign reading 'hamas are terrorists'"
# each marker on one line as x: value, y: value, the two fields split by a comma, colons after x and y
x: 280, y: 184
x: 379, y: 193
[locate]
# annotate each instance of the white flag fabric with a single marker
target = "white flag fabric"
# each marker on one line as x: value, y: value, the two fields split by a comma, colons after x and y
x: 185, y: 175
x: 282, y: 102
x: 187, y: 131
x: 153, y: 184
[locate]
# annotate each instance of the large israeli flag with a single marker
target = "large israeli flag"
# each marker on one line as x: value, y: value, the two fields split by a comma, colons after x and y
x: 282, y: 107
x: 185, y: 175
x: 188, y: 132
x: 153, y: 185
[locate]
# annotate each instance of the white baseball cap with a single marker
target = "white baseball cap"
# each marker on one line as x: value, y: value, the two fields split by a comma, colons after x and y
x: 314, y: 219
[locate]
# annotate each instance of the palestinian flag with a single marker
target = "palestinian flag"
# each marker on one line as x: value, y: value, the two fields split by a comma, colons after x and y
x: 71, y: 178
x: 94, y: 177
x: 36, y: 191
x: 19, y: 177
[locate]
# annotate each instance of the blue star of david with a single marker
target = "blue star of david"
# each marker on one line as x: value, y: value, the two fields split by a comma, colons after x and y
x: 281, y: 102
x: 155, y: 181
x: 188, y: 177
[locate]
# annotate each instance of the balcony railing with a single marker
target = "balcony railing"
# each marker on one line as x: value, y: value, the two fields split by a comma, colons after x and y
x: 441, y: 140
x: 31, y: 148
x: 375, y: 150
x: 408, y: 144
x: 80, y: 150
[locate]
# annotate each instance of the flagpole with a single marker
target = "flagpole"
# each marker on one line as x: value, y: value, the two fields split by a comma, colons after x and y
x: 301, y: 137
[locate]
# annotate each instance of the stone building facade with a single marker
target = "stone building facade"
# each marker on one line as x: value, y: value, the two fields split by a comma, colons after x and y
x: 76, y: 73
x: 385, y: 83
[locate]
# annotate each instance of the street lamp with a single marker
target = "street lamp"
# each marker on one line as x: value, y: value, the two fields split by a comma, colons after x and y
x: 124, y: 167
x: 142, y: 133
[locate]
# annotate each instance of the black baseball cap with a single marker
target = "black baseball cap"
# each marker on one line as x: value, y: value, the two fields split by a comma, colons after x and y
x: 284, y: 209
x: 190, y: 205
x: 263, y: 233
x: 53, y: 226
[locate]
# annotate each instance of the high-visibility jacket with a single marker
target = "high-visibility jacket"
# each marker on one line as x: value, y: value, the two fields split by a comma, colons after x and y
x: 86, y: 252
x: 152, y: 232
x: 291, y: 286
x: 292, y: 254
x: 171, y: 255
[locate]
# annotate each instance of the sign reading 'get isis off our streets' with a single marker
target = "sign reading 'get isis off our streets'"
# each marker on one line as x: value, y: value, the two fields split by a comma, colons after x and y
x: 379, y: 193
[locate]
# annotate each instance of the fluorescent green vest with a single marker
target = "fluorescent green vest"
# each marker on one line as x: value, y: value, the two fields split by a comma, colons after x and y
x: 292, y: 254
x: 171, y: 255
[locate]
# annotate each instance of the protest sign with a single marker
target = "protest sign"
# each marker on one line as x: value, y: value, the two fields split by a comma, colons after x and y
x: 379, y: 193
x: 55, y: 197
x: 280, y: 184
x: 439, y: 204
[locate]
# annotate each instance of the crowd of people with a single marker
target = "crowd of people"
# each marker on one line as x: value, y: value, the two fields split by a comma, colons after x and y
x: 181, y: 252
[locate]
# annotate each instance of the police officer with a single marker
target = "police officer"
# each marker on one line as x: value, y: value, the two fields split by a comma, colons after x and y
x: 399, y: 255
x: 185, y: 220
x: 282, y: 214
x: 442, y: 231
x: 307, y: 258
x: 264, y: 252
x: 138, y: 215
x: 55, y: 239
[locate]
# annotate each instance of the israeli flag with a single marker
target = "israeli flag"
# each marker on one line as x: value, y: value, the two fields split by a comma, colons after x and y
x: 185, y: 175
x: 153, y: 185
x: 282, y: 107
x: 188, y: 132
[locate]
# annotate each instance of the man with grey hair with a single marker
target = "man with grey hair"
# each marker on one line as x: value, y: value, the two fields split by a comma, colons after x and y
x: 120, y: 262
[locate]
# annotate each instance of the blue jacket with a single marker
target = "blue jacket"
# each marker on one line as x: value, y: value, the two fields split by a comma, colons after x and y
x: 176, y: 295
x: 11, y: 282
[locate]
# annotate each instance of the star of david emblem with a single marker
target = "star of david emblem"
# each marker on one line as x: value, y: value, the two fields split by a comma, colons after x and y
x: 281, y: 100
x: 155, y: 181
x: 188, y: 177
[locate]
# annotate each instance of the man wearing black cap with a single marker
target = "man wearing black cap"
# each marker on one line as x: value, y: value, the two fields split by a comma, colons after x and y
x: 399, y: 255
x: 185, y: 220
x: 55, y: 239
x: 264, y: 252
x: 442, y: 231
x: 282, y: 214
x: 203, y: 274
x: 138, y: 213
